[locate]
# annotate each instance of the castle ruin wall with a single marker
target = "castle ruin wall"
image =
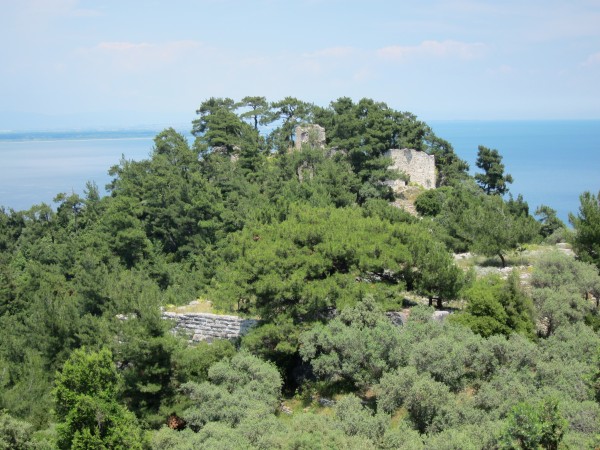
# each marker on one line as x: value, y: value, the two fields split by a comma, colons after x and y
x: 418, y: 165
x: 207, y: 327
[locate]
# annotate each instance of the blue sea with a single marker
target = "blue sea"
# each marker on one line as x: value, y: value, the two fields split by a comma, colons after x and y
x: 36, y: 166
x: 552, y: 162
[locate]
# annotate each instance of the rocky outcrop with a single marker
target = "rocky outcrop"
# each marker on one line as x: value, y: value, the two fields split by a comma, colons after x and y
x: 207, y: 327
x: 398, y: 318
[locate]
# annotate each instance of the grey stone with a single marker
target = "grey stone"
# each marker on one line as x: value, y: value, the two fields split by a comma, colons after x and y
x: 326, y: 402
x: 206, y: 326
x: 397, y: 318
x: 312, y: 134
x: 418, y: 165
x: 440, y: 315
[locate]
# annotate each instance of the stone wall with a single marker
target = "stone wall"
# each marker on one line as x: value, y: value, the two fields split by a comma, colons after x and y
x: 400, y: 318
x: 206, y: 327
x: 310, y: 134
x: 419, y: 166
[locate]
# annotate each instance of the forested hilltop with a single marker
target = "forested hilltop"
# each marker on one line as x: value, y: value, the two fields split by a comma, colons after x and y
x: 305, y: 238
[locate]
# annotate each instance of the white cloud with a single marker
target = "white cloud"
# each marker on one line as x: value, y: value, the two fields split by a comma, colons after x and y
x: 122, y: 46
x: 362, y: 75
x: 332, y: 52
x: 433, y: 49
x: 592, y: 60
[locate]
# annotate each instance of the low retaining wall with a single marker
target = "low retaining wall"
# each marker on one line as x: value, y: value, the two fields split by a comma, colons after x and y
x: 400, y: 318
x: 206, y: 327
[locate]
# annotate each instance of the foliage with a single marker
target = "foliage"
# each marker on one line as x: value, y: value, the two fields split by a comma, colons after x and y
x: 383, y: 210
x: 568, y: 362
x: 144, y: 353
x: 561, y: 286
x: 290, y: 112
x: 518, y: 207
x: 309, y: 263
x: 497, y: 307
x: 309, y: 431
x: 165, y: 200
x: 403, y: 437
x: 430, y: 202
x: 466, y: 219
x: 86, y: 405
x: 277, y: 342
x: 476, y: 437
x: 306, y: 240
x: 95, y: 423
x: 488, y: 225
x: 393, y: 388
x: 448, y: 357
x: 596, y: 377
x: 356, y: 347
x: 434, y: 273
x: 493, y: 180
x: 208, y: 107
x: 85, y: 373
x: 356, y: 419
x: 534, y: 426
x: 425, y: 400
x: 586, y: 242
x: 239, y: 387
x: 549, y: 220
x: 15, y: 434
x: 192, y: 363
x: 257, y: 109
x: 449, y: 167
x: 364, y: 131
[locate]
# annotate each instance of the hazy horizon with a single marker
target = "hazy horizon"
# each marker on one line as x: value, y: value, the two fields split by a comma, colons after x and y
x: 83, y: 63
x: 74, y: 122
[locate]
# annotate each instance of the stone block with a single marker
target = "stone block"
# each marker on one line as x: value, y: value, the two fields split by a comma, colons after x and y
x: 418, y: 165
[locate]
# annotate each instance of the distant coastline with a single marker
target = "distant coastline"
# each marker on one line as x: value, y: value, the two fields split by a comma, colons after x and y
x: 72, y: 135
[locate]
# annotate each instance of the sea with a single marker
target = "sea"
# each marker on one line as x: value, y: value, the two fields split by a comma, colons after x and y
x: 552, y: 162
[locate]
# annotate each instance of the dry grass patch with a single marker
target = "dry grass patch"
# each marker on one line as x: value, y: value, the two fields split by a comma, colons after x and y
x: 197, y: 306
x: 398, y: 416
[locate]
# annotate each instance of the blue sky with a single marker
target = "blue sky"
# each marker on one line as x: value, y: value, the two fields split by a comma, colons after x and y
x: 80, y: 62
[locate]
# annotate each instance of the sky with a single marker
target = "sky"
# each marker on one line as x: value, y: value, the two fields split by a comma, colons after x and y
x: 78, y: 63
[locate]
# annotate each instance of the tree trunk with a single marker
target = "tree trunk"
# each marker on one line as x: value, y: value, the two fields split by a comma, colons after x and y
x: 439, y: 303
x: 503, y: 260
x: 430, y: 301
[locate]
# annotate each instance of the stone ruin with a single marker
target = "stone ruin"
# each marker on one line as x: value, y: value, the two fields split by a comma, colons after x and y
x: 417, y: 165
x: 208, y: 327
x: 222, y: 150
x: 312, y: 134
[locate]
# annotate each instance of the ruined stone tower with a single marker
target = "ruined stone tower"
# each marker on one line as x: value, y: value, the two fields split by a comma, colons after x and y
x: 313, y: 135
x: 419, y: 166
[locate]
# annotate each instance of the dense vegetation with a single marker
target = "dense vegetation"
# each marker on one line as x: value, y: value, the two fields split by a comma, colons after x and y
x: 307, y: 241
